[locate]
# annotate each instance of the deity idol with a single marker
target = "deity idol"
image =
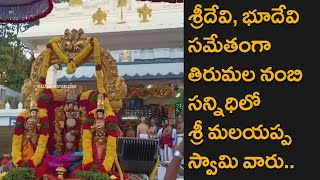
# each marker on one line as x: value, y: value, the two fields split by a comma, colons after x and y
x: 99, y: 138
x: 30, y: 139
x: 72, y: 124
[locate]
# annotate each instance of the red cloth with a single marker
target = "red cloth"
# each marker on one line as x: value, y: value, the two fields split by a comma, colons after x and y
x: 166, y: 140
x: 5, y: 161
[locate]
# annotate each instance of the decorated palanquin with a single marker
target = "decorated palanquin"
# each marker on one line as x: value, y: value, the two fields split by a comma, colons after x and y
x: 67, y: 128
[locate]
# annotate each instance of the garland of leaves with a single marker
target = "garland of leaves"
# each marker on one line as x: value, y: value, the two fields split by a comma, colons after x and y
x: 19, y: 174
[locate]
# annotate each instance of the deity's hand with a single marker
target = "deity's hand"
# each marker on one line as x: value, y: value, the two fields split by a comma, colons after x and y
x: 61, y: 124
x: 38, y: 126
x: 92, y: 128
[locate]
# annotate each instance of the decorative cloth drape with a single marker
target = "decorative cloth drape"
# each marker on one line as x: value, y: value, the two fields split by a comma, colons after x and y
x: 168, y: 1
x: 21, y: 11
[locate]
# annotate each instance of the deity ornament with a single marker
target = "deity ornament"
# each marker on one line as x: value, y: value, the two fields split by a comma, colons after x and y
x: 99, y: 127
x: 32, y: 125
x: 144, y: 12
x: 73, y: 41
x: 61, y: 171
x: 99, y: 17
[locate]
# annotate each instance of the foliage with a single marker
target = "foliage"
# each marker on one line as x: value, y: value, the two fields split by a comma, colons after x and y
x: 15, y: 57
x: 94, y: 174
x: 20, y: 174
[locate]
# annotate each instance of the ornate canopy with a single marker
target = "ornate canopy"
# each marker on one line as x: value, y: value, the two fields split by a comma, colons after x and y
x: 73, y: 45
x: 20, y: 11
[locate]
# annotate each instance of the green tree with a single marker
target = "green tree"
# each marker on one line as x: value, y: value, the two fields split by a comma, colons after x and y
x: 15, y: 57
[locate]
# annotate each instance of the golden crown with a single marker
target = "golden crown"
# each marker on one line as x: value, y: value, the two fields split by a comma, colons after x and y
x: 33, y: 104
x: 100, y: 102
x: 72, y: 96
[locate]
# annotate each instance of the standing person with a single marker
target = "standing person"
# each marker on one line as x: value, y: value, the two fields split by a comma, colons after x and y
x: 180, y: 128
x: 166, y: 142
x: 174, y: 136
x: 142, y: 129
x: 153, y: 130
x: 130, y: 132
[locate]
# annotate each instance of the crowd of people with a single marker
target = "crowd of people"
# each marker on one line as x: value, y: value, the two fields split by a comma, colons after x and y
x: 169, y: 135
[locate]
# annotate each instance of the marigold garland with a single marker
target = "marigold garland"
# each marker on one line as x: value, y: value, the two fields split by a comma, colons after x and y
x: 2, y: 175
x: 59, y: 53
x: 40, y: 150
x: 111, y: 150
x: 87, y: 146
x: 97, y: 60
x: 83, y: 54
x: 58, y: 95
x: 111, y: 136
x: 85, y: 95
x: 45, y: 64
x: 108, y: 108
x: 18, y: 137
x: 145, y: 93
x: 16, y: 149
x: 92, y: 44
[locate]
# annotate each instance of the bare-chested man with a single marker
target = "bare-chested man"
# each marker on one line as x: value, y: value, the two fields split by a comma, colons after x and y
x: 153, y: 130
x: 180, y: 128
x: 130, y: 132
x: 142, y: 129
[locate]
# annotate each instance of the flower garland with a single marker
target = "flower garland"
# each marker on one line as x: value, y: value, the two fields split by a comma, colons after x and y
x: 97, y: 60
x: 87, y: 136
x: 18, y: 138
x: 92, y: 44
x: 2, y: 175
x: 72, y: 63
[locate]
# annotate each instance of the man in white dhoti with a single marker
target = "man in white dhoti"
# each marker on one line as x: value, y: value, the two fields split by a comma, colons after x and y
x: 142, y: 129
x: 180, y: 128
x: 166, y: 141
